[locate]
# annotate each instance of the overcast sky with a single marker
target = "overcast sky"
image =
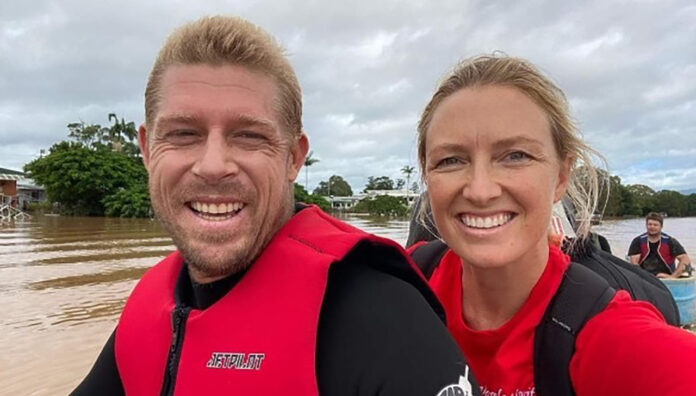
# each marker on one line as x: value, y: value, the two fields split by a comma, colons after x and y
x: 367, y: 69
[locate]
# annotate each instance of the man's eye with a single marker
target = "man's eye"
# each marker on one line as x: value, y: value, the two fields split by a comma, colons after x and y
x: 448, y: 162
x: 250, y: 135
x: 183, y: 136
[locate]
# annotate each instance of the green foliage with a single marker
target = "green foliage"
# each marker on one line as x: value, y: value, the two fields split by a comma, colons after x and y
x: 39, y: 207
x: 643, y: 199
x: 382, y: 205
x: 121, y: 136
x: 94, y: 168
x: 309, y: 161
x: 639, y: 200
x: 338, y: 187
x: 301, y: 195
x: 671, y: 202
x: 379, y: 183
x: 128, y: 202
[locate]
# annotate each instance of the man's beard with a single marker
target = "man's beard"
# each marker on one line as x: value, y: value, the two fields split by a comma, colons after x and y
x: 229, y: 261
x: 217, y: 268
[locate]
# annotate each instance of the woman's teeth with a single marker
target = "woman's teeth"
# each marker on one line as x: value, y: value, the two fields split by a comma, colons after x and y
x: 486, y: 222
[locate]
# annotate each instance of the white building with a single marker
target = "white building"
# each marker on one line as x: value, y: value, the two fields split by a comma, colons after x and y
x: 346, y: 203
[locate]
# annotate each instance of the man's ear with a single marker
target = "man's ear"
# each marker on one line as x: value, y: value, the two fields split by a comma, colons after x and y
x: 144, y: 145
x: 298, y: 152
x: 563, y: 178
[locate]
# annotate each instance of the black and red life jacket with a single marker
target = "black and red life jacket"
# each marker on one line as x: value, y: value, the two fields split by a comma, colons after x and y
x: 664, y: 250
x: 260, y: 338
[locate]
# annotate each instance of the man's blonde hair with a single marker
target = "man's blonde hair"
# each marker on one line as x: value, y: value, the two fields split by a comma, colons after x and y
x: 502, y: 70
x: 220, y: 41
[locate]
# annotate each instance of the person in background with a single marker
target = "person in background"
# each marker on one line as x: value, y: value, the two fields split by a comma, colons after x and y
x: 263, y: 296
x: 657, y: 252
x: 497, y: 148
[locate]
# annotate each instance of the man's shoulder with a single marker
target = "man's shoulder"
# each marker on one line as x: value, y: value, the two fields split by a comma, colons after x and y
x: 668, y: 238
x: 641, y: 236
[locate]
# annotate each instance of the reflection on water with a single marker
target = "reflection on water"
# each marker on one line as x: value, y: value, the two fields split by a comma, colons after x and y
x: 65, y: 280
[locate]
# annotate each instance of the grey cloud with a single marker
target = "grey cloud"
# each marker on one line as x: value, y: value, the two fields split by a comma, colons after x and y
x: 367, y: 68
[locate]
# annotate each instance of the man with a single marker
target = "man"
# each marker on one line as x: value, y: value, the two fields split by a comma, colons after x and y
x: 657, y: 252
x: 262, y: 297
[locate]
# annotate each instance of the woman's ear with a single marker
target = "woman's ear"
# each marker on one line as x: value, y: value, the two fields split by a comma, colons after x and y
x: 563, y: 178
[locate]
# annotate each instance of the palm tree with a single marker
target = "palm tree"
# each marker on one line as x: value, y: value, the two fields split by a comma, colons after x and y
x: 408, y: 171
x: 309, y: 161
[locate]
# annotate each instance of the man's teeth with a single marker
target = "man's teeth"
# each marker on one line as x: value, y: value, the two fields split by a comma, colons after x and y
x: 221, y: 209
x: 486, y: 222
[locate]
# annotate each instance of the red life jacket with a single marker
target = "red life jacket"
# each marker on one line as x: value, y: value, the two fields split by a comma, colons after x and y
x: 260, y: 338
x: 663, y: 250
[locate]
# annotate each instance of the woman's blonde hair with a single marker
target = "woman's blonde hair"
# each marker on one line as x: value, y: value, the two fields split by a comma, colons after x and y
x: 584, y: 182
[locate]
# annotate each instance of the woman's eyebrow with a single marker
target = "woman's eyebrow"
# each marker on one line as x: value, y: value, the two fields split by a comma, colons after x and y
x: 516, y: 140
x: 447, y: 147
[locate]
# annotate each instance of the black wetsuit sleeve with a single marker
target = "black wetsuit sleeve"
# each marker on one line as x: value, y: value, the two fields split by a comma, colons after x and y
x: 103, y: 379
x: 378, y: 336
x: 635, y: 247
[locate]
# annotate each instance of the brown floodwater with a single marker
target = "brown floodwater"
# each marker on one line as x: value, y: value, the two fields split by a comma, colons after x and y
x: 64, y: 281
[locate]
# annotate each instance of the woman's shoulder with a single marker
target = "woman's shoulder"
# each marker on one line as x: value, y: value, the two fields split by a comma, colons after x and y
x: 630, y: 320
x: 629, y: 346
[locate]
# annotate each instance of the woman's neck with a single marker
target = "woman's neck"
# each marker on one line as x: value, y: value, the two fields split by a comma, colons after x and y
x: 492, y: 296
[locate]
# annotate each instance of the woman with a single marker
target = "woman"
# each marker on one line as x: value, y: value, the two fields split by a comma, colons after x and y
x: 497, y: 148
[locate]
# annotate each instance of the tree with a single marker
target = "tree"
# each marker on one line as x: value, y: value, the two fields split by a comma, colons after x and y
x: 671, y: 202
x: 691, y: 205
x: 408, y: 171
x: 612, y: 194
x: 88, y: 135
x: 643, y: 198
x: 301, y: 195
x: 123, y: 136
x: 97, y: 171
x: 379, y: 183
x: 309, y: 161
x: 133, y: 201
x: 382, y: 205
x: 335, y: 186
x: 81, y: 179
x: 414, y: 187
x: 400, y: 183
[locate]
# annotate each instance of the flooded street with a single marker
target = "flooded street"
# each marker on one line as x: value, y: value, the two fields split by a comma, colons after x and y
x: 64, y: 281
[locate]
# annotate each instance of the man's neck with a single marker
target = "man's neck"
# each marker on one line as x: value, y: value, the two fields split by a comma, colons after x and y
x: 654, y: 238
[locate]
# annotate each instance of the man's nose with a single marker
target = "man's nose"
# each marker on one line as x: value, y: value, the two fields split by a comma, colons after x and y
x: 481, y: 185
x: 215, y: 161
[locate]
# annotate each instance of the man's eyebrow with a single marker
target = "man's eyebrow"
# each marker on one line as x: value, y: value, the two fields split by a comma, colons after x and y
x: 176, y: 118
x: 247, y: 120
x: 237, y: 119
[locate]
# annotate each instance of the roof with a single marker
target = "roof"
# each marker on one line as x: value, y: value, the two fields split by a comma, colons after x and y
x: 10, y: 176
x: 10, y: 172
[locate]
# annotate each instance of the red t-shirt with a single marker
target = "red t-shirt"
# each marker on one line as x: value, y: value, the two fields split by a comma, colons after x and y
x: 627, y: 349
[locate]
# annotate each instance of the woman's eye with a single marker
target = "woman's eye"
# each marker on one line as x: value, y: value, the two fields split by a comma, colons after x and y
x: 517, y: 156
